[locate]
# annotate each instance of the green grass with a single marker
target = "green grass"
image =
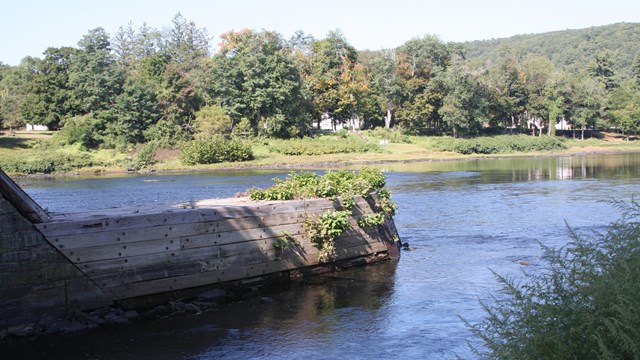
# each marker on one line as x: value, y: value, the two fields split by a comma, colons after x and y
x: 32, y: 153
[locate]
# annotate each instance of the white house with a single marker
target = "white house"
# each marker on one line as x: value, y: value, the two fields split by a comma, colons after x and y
x: 33, y: 127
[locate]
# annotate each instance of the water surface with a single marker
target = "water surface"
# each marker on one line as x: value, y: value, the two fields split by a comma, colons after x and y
x: 462, y: 219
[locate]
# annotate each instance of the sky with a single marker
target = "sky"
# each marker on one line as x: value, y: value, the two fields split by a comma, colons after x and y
x: 28, y: 27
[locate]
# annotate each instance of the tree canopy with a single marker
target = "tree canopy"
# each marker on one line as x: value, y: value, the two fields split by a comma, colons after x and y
x: 144, y: 84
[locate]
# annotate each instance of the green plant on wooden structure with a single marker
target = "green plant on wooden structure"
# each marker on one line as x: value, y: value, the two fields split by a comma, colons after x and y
x: 286, y: 241
x: 371, y: 220
x: 342, y: 187
x: 322, y: 231
x: 333, y: 184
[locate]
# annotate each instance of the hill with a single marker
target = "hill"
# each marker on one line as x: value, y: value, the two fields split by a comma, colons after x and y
x: 568, y: 48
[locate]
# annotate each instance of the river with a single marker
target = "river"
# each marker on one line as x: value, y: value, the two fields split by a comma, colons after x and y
x: 462, y: 219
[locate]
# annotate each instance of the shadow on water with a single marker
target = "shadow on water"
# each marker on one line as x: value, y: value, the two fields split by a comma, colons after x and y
x: 293, y: 323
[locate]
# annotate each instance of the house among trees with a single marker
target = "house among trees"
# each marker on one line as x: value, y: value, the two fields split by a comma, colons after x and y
x: 33, y: 127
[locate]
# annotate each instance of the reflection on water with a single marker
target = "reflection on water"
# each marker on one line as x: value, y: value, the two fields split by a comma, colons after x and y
x: 463, y: 220
x: 296, y: 321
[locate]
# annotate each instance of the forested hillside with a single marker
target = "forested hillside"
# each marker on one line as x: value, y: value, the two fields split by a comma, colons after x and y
x: 569, y: 48
x: 170, y: 88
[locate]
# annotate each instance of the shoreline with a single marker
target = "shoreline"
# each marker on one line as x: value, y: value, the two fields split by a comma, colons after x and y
x: 331, y: 164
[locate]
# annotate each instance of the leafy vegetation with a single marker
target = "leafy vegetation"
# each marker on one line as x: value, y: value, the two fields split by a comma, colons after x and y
x: 568, y: 47
x: 322, y: 231
x: 143, y: 85
x: 333, y: 184
x: 497, y: 145
x: 585, y: 306
x: 372, y: 220
x: 322, y: 146
x: 339, y: 185
x: 215, y: 150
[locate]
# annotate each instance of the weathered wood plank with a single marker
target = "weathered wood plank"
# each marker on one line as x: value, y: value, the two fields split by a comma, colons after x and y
x: 143, y: 232
x: 121, y: 251
x: 21, y: 200
x: 127, y: 290
x: 220, y: 258
x: 241, y: 235
x: 202, y: 247
x: 118, y: 222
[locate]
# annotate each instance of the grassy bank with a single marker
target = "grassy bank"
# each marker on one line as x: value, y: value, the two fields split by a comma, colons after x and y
x: 27, y: 153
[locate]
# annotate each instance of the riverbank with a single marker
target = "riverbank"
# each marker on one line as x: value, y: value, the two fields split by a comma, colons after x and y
x: 29, y: 146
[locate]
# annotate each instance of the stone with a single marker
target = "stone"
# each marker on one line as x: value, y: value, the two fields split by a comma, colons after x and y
x: 212, y: 295
x: 21, y: 330
x: 131, y: 314
x: 266, y: 300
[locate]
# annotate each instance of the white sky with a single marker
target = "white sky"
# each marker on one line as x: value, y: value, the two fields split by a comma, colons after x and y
x: 28, y: 27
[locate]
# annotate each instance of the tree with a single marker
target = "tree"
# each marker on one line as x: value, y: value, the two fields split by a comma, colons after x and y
x: 335, y: 78
x: 625, y: 107
x: 587, y: 102
x: 210, y: 121
x: 136, y: 109
x: 465, y: 106
x: 255, y: 78
x: 185, y: 43
x: 602, y: 69
x: 506, y: 80
x: 386, y: 83
x: 132, y: 46
x: 635, y: 69
x: 94, y: 80
x: 48, y: 94
x: 420, y: 62
x: 538, y: 71
x: 177, y: 97
x: 14, y: 90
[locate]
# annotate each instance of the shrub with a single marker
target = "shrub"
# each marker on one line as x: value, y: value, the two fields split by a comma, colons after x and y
x: 497, y: 144
x: 146, y: 157
x: 585, y: 306
x: 321, y: 146
x: 304, y: 185
x: 394, y: 135
x: 215, y: 150
x: 48, y: 163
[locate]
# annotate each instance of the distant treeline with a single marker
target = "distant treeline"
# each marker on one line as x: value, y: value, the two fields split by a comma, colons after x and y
x: 164, y: 85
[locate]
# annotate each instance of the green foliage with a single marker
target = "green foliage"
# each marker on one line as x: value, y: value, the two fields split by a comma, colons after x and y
x: 585, y: 306
x: 215, y: 150
x: 395, y: 135
x: 254, y: 77
x: 243, y: 129
x: 320, y: 146
x: 333, y: 184
x: 322, y: 231
x: 385, y: 204
x: 48, y: 163
x: 166, y: 133
x: 568, y: 47
x: 210, y: 121
x: 372, y: 220
x: 497, y: 144
x: 82, y: 130
x: 284, y: 242
x: 146, y: 156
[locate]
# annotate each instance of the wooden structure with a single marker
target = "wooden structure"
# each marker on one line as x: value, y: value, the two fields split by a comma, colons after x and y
x: 130, y: 254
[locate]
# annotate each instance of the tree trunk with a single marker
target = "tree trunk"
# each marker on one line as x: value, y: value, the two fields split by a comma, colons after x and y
x: 387, y: 118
